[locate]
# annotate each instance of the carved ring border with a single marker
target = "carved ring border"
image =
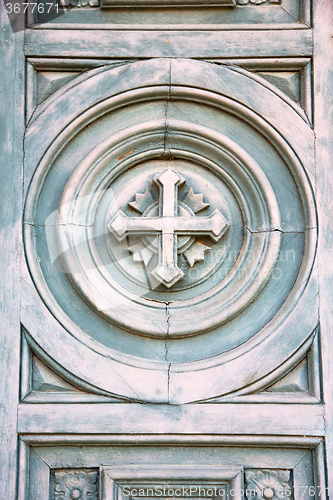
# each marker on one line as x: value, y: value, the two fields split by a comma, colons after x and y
x: 79, y: 191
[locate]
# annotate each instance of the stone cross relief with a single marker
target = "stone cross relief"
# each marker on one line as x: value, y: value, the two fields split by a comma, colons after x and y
x: 169, y: 225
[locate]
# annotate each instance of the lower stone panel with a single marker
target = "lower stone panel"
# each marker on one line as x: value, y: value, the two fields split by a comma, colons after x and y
x: 121, y: 472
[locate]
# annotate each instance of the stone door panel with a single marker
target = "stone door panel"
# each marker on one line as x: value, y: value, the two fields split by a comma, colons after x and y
x: 223, y: 472
x: 158, y: 202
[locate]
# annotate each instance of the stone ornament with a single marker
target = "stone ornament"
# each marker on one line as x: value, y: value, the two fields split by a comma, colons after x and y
x: 268, y: 484
x: 186, y: 247
x: 170, y: 231
x: 169, y: 226
x: 75, y: 485
x: 256, y: 2
x: 79, y: 3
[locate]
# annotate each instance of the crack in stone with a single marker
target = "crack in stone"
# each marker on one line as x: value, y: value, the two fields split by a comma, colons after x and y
x: 166, y: 127
x: 278, y: 231
x: 58, y: 224
x: 167, y: 313
x: 166, y: 152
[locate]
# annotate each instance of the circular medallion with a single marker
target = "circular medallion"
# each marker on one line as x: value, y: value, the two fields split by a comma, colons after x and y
x: 169, y: 238
x: 150, y: 236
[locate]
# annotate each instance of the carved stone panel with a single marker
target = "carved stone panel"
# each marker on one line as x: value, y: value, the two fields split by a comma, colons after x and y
x: 75, y: 485
x: 268, y: 484
x: 170, y: 231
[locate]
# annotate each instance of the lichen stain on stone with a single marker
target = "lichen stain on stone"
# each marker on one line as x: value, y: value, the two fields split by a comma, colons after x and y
x: 126, y: 154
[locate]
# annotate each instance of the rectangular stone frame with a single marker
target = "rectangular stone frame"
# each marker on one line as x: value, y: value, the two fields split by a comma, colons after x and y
x: 110, y: 476
x: 232, y: 14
